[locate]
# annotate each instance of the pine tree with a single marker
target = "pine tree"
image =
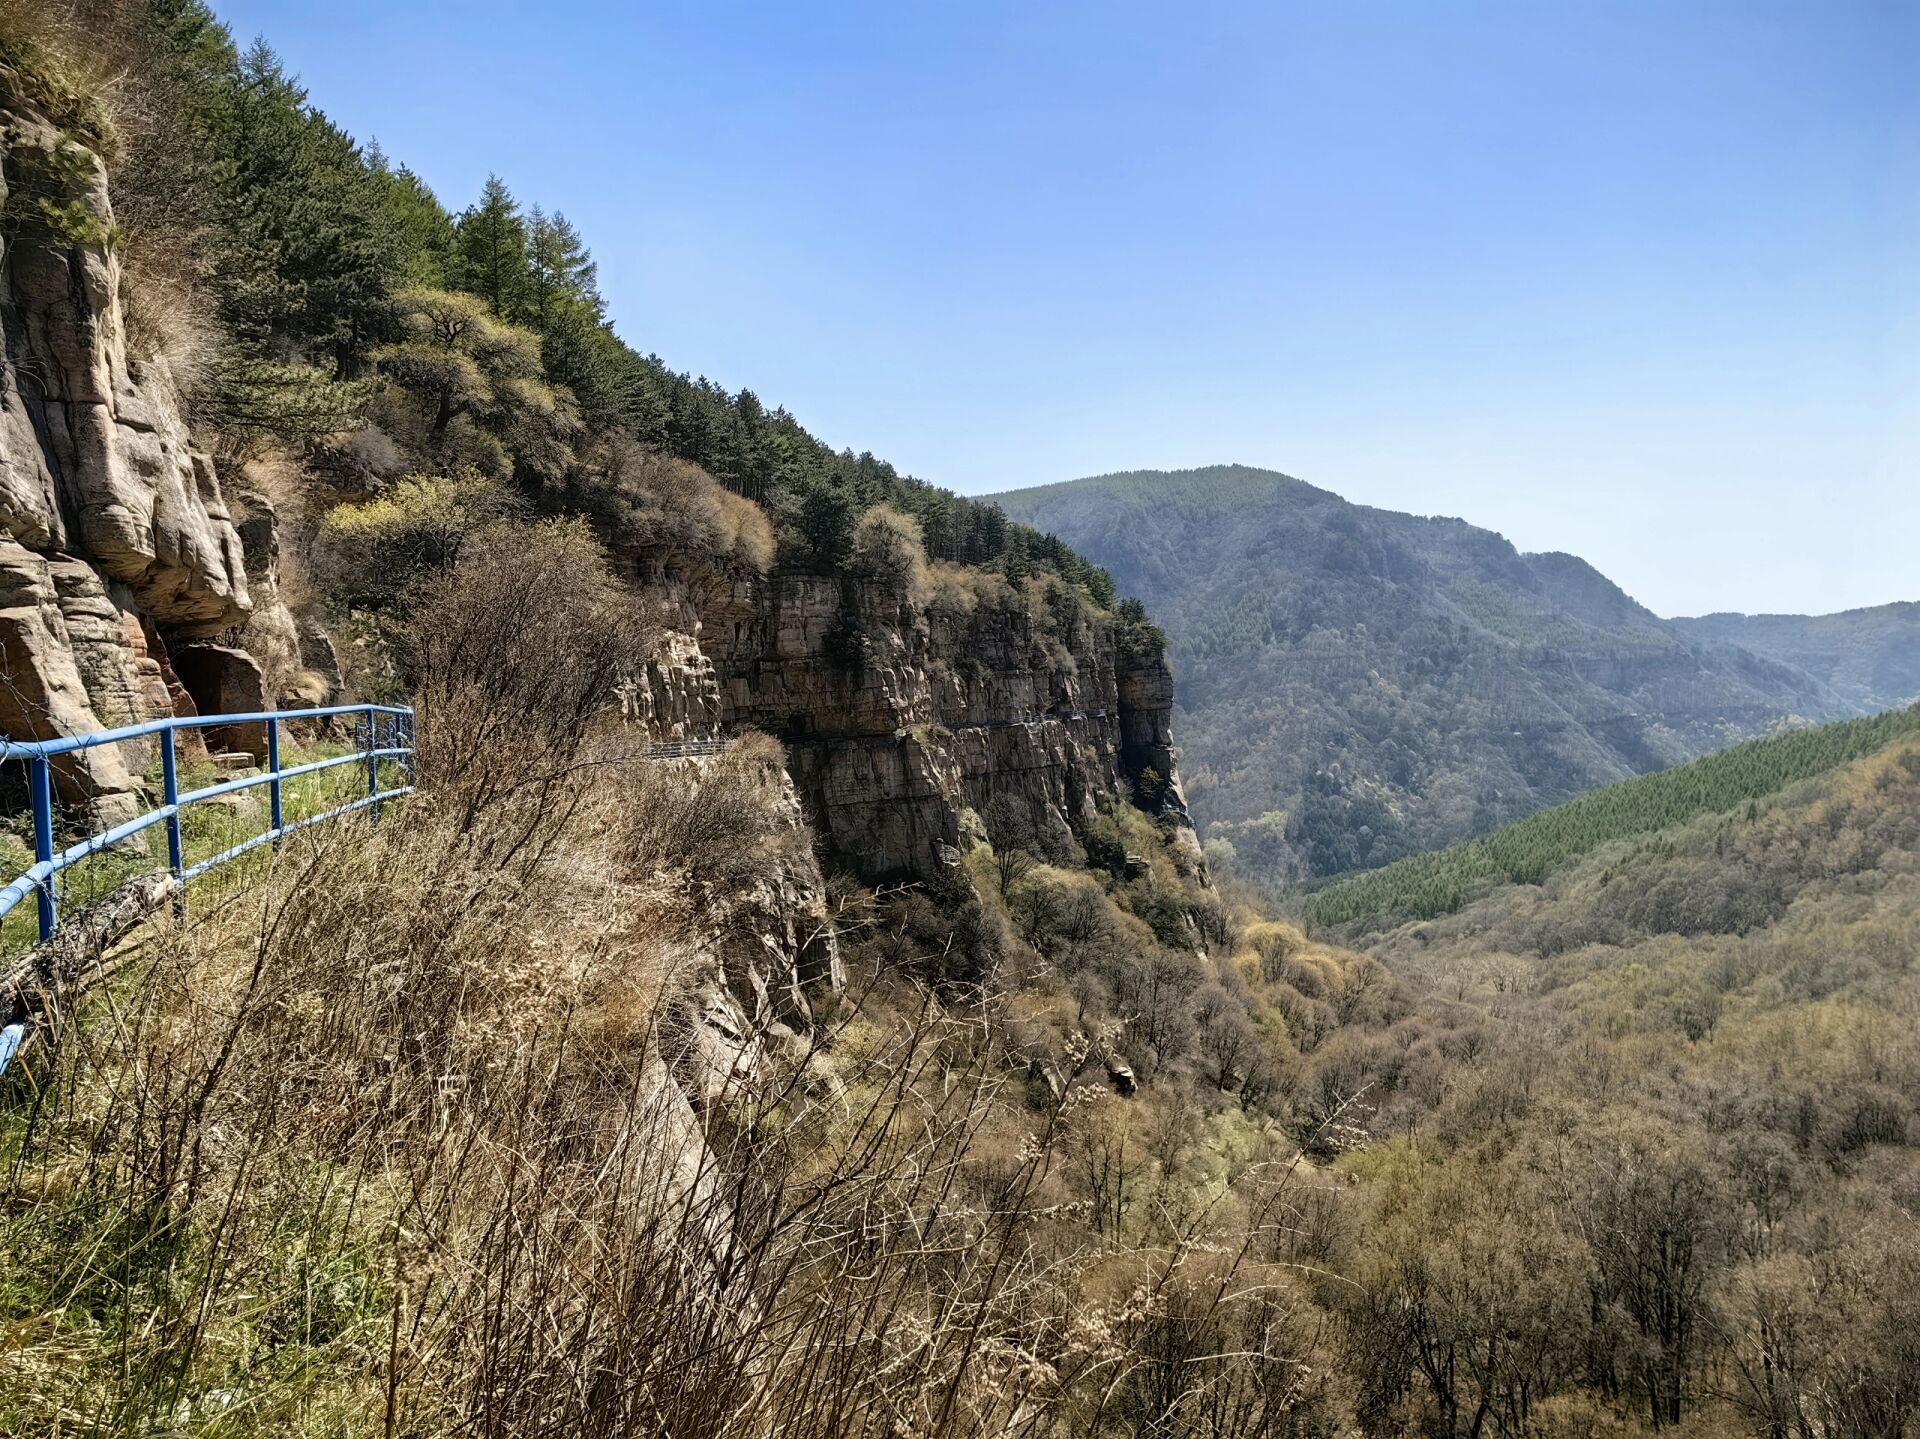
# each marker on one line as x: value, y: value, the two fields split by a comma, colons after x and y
x: 425, y: 232
x: 493, y: 251
x: 561, y: 273
x: 311, y: 254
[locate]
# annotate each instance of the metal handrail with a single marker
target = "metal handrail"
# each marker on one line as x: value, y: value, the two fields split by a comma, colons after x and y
x: 23, y: 749
x: 39, y: 754
x: 686, y: 748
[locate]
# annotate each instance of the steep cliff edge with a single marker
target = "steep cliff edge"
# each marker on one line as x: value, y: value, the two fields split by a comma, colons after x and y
x: 919, y: 714
x: 923, y: 707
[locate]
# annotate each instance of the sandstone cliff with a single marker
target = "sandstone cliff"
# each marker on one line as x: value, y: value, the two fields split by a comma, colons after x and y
x: 915, y: 717
x: 918, y: 710
x: 117, y: 544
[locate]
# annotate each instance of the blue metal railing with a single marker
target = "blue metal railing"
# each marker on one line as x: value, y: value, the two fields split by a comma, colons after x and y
x: 372, y: 747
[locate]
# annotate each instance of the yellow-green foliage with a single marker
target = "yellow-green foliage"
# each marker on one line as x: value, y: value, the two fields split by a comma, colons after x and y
x: 888, y: 551
x: 478, y: 394
x: 371, y: 551
x: 656, y: 507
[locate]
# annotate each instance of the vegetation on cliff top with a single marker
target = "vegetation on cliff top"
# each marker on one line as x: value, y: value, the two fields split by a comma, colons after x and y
x: 304, y: 284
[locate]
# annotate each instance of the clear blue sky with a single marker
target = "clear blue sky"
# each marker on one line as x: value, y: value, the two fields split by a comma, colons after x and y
x: 1636, y: 280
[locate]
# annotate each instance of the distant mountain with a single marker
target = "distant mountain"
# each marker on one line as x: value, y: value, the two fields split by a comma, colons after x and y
x: 1357, y: 685
x: 1870, y: 657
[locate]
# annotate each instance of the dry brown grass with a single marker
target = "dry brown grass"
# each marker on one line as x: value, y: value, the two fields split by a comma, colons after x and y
x: 389, y: 1141
x: 389, y: 1144
x: 90, y: 69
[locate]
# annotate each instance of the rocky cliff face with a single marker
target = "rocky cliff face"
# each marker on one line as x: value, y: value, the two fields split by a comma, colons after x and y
x: 117, y: 545
x: 917, y: 712
x: 750, y: 961
x: 914, y: 720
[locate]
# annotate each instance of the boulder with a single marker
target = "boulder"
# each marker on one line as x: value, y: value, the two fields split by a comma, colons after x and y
x: 317, y: 680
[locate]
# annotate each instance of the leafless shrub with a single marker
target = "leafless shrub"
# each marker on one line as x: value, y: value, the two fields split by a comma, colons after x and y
x: 655, y: 504
x: 389, y: 1131
x: 516, y: 653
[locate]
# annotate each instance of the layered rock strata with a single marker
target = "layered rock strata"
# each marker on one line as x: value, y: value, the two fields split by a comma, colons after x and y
x: 914, y: 723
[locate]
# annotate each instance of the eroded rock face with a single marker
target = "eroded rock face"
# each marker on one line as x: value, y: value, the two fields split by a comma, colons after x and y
x: 753, y: 962
x: 94, y: 457
x: 912, y: 724
x: 224, y: 680
x: 97, y: 473
x: 44, y: 697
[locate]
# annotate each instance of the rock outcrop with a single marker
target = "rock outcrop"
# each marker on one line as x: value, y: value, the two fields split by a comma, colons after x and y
x: 915, y: 722
x: 113, y: 527
x: 43, y: 696
x: 754, y: 958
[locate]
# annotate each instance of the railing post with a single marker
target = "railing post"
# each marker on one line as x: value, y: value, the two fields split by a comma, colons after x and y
x: 373, y: 762
x: 170, y: 796
x: 273, y: 785
x: 40, y: 782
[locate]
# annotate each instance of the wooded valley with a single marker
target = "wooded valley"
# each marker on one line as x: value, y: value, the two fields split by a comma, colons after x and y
x: 797, y: 1001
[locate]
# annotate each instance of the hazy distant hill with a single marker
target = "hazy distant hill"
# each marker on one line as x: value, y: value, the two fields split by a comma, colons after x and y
x: 1870, y: 657
x: 1357, y: 685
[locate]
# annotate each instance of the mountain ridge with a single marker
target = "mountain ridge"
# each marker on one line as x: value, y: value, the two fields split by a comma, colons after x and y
x: 1869, y: 655
x: 1357, y: 684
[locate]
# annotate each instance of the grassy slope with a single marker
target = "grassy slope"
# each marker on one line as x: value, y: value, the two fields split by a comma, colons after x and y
x: 1525, y: 852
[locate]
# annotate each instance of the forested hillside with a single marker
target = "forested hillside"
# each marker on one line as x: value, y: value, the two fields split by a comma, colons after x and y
x: 300, y: 284
x: 1682, y: 1148
x: 1869, y: 657
x: 1357, y: 685
x: 893, y: 1065
x: 1429, y: 885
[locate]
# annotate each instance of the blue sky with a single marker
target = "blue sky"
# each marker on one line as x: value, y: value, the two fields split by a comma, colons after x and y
x: 1635, y: 280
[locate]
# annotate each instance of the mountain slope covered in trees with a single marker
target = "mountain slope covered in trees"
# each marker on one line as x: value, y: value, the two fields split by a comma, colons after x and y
x: 1869, y: 657
x: 1357, y: 685
x: 1698, y: 1089
x: 301, y: 285
x: 1429, y: 885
